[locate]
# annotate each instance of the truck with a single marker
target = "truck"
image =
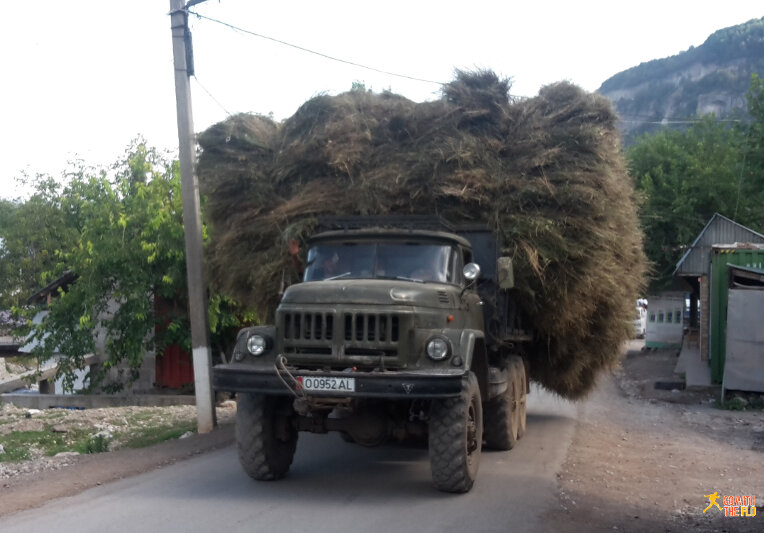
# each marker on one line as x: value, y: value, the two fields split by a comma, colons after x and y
x: 401, y: 328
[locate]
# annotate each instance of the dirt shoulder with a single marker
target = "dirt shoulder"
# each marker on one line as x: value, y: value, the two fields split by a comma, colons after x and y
x: 644, y: 459
x: 30, y: 483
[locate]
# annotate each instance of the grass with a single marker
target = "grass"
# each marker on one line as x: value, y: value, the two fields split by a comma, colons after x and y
x: 139, y: 431
x: 27, y: 361
x: 143, y: 416
x: 19, y: 445
x: 94, y: 444
x: 735, y: 403
x: 155, y: 435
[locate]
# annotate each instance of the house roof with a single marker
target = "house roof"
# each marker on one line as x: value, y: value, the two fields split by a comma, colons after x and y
x: 696, y: 260
x: 64, y: 281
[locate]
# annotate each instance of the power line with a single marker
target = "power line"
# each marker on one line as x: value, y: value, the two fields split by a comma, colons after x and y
x: 308, y: 50
x: 212, y: 97
x: 681, y: 121
x: 742, y: 168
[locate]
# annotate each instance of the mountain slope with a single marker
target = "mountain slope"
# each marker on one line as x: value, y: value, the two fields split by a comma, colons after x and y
x: 712, y: 78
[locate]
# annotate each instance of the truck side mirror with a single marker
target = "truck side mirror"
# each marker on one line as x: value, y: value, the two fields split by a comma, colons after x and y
x: 506, y: 272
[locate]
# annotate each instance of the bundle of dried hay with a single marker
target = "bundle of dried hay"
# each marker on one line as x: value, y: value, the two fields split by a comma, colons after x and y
x: 547, y: 173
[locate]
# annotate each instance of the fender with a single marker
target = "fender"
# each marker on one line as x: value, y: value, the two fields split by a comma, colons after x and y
x: 472, y: 348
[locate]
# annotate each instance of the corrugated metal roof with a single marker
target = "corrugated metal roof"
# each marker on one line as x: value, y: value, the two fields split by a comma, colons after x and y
x: 747, y: 269
x: 696, y: 261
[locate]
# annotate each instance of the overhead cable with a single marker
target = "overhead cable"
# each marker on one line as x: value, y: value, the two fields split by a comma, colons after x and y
x: 308, y: 50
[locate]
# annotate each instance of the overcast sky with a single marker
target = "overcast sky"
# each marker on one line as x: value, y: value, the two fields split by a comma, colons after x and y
x: 81, y: 78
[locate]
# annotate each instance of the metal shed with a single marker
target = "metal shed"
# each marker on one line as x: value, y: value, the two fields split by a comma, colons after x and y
x: 744, y: 361
x: 695, y: 268
x: 718, y: 230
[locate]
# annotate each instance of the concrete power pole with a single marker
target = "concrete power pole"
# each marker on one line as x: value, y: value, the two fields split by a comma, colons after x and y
x: 192, y: 220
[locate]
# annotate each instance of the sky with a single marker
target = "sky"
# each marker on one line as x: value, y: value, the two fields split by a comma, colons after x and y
x: 82, y: 78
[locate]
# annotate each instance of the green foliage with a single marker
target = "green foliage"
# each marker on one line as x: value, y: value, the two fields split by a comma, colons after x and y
x: 19, y: 444
x: 684, y: 177
x: 753, y: 172
x: 127, y: 251
x: 62, y: 431
x: 34, y: 233
x: 225, y: 318
x: 358, y: 86
x: 754, y: 402
x: 98, y: 443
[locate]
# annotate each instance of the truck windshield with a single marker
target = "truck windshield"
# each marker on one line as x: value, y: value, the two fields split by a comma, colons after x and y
x: 407, y: 261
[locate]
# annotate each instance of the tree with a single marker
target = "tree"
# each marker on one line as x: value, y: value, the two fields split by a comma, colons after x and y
x: 684, y: 177
x: 752, y: 177
x: 33, y: 233
x: 129, y: 261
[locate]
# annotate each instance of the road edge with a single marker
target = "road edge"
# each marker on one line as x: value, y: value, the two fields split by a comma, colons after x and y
x: 34, y: 490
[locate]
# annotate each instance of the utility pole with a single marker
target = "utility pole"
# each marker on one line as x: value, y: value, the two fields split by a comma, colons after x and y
x: 192, y: 219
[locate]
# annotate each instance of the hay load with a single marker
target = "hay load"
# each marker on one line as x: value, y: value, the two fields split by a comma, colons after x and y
x: 547, y: 173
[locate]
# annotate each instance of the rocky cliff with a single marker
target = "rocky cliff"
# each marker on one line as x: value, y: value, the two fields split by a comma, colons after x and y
x: 712, y: 78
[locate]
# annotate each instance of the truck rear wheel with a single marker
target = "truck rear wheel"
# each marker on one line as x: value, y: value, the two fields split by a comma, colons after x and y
x: 456, y: 438
x: 265, y: 439
x: 502, y: 414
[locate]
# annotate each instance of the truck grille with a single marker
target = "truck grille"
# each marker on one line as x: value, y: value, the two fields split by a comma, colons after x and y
x: 353, y: 334
x: 371, y: 327
x: 309, y: 326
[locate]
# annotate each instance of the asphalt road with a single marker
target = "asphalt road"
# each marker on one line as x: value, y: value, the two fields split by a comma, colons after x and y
x: 332, y: 487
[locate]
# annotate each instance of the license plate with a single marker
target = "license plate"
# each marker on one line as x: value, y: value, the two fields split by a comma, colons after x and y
x: 324, y: 384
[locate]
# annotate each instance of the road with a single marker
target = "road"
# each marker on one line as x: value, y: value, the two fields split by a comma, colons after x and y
x: 332, y: 487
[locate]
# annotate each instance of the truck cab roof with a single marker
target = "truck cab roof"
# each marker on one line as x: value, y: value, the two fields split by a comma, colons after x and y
x: 388, y: 234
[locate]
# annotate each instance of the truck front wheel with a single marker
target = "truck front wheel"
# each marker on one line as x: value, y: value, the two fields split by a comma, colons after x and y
x: 456, y: 438
x: 265, y: 439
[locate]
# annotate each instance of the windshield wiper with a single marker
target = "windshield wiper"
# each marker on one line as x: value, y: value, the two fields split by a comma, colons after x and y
x: 402, y: 278
x: 337, y: 276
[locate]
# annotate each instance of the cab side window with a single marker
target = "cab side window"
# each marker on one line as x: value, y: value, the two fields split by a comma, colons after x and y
x: 463, y: 257
x: 455, y: 267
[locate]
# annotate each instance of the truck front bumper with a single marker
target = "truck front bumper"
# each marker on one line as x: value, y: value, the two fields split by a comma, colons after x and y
x: 240, y: 378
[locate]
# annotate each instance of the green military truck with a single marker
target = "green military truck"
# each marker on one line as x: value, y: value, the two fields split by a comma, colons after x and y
x: 402, y: 327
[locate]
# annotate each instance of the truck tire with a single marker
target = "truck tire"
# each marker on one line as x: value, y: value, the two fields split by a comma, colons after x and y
x: 521, y: 388
x: 456, y: 438
x: 502, y: 416
x: 265, y: 439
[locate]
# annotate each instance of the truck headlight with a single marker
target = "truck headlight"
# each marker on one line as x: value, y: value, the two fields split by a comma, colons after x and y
x: 437, y: 349
x: 256, y: 344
